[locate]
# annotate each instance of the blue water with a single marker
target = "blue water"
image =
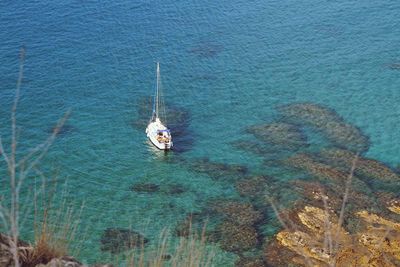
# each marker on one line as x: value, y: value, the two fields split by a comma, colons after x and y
x: 230, y: 64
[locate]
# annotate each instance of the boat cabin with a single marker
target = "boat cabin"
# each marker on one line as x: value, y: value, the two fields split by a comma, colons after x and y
x: 163, y: 136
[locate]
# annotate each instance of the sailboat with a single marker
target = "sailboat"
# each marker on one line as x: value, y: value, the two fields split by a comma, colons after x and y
x: 157, y: 131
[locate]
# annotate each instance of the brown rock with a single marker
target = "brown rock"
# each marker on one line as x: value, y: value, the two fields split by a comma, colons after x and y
x: 62, y: 262
x: 377, y: 243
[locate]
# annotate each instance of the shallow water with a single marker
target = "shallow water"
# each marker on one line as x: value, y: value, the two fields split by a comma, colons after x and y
x: 229, y: 65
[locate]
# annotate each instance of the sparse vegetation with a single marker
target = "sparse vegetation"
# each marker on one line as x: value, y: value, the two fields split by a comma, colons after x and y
x: 191, y: 251
x: 46, y: 243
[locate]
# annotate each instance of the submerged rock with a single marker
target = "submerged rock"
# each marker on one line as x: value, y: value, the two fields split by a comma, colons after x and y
x: 236, y: 212
x: 332, y: 195
x: 63, y: 130
x: 252, y: 186
x: 236, y: 238
x: 173, y: 189
x: 255, y: 147
x: 324, y: 172
x: 206, y: 49
x: 394, y: 66
x: 169, y: 189
x: 364, y: 167
x: 328, y: 122
x: 166, y: 257
x: 283, y: 135
x: 218, y: 170
x: 307, y: 163
x: 145, y: 187
x: 117, y: 240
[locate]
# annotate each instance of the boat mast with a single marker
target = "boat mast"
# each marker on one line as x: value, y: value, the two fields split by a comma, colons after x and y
x: 157, y: 88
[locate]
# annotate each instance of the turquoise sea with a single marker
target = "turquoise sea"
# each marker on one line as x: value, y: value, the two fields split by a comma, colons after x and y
x: 225, y: 66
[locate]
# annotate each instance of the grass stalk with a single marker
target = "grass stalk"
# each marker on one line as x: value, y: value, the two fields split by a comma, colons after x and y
x: 18, y: 170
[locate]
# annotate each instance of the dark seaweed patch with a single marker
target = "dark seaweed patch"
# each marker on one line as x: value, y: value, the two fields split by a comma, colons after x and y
x: 64, y: 130
x: 394, y: 66
x: 207, y: 50
x: 217, y: 170
x: 145, y: 187
x: 283, y: 136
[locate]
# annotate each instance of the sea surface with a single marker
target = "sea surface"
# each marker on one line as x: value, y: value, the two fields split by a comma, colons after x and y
x: 225, y: 66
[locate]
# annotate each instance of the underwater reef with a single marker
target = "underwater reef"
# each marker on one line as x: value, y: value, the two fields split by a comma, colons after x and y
x: 217, y: 170
x: 365, y: 167
x: 329, y: 123
x: 145, y: 187
x: 324, y: 172
x: 63, y: 130
x: 254, y: 147
x: 282, y: 135
x: 206, y: 49
x: 235, y: 237
x: 236, y: 212
x: 168, y: 189
x: 253, y: 186
x: 394, y: 66
x: 315, y: 200
x: 320, y: 190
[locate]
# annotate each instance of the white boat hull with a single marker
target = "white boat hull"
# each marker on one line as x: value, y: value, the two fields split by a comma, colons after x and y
x: 163, y: 142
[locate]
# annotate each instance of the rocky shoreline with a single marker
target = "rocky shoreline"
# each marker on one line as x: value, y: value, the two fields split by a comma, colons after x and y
x: 26, y: 251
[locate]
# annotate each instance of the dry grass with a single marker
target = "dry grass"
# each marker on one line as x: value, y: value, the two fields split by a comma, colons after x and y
x: 19, y: 168
x: 191, y: 251
x: 54, y: 235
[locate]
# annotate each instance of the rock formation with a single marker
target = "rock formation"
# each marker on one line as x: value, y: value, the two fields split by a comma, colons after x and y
x: 322, y: 241
x: 282, y: 135
x: 329, y: 123
x: 218, y: 170
x: 365, y: 167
